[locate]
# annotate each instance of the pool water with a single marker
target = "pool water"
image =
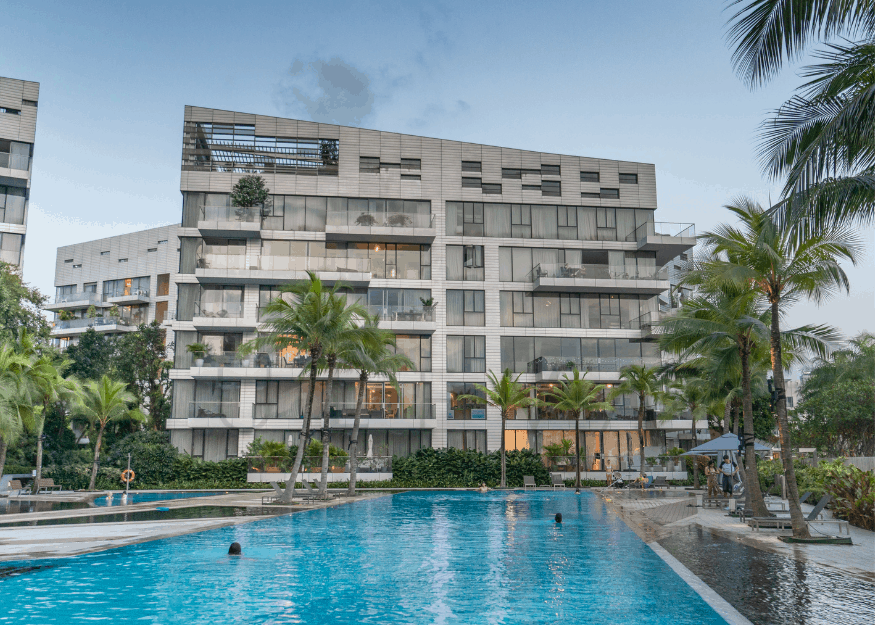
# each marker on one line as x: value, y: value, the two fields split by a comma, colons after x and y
x: 193, y: 512
x: 448, y: 557
x: 135, y: 497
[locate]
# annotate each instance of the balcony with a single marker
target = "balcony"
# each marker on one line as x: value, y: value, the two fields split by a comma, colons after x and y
x: 565, y: 277
x: 554, y: 367
x: 74, y: 327
x: 214, y: 410
x: 230, y: 221
x: 223, y: 315
x: 232, y: 269
x: 130, y: 298
x: 665, y: 238
x: 405, y: 318
x: 278, y: 469
x: 260, y: 365
x: 345, y: 412
x: 80, y: 299
x: 379, y: 226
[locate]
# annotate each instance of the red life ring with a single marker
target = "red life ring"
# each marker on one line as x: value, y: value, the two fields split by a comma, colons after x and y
x: 128, y: 476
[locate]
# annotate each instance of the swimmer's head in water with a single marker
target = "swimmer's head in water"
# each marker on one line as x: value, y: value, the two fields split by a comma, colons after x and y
x: 235, y: 549
x: 559, y: 517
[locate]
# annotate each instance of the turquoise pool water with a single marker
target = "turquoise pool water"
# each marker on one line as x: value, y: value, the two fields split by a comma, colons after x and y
x: 445, y: 558
x: 135, y: 497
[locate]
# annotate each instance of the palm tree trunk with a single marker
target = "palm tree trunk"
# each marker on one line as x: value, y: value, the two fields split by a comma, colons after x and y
x: 503, y: 454
x: 304, y: 440
x: 93, y: 481
x: 800, y: 528
x: 577, y: 453
x: 641, y: 430
x: 353, y: 451
x: 753, y: 495
x: 39, y: 463
x: 726, y: 413
x: 695, y: 436
x: 326, y: 425
x: 3, y: 446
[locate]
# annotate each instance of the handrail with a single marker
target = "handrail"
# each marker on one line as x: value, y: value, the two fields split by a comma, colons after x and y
x: 596, y: 272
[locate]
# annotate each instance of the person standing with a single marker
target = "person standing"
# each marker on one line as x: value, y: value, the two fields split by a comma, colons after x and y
x: 711, y: 474
x: 728, y: 469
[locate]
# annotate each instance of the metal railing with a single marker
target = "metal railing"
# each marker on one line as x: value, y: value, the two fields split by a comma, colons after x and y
x: 663, y: 229
x: 258, y: 360
x: 563, y: 364
x: 314, y: 263
x: 313, y: 464
x: 139, y: 293
x: 597, y: 272
x: 214, y: 410
x: 229, y: 310
x: 380, y: 219
x: 402, y: 313
x: 347, y: 410
x: 231, y: 213
x: 94, y: 322
x: 91, y: 297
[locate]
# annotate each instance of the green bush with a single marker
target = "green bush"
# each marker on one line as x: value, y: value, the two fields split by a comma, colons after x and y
x: 853, y: 493
x: 229, y: 473
x: 454, y: 468
x: 152, y: 457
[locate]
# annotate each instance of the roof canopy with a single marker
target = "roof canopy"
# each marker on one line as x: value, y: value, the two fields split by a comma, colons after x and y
x: 725, y: 443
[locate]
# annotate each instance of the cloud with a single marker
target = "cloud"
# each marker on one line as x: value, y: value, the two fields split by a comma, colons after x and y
x: 331, y: 91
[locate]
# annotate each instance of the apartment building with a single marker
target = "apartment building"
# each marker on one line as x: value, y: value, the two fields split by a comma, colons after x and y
x: 18, y: 104
x: 115, y: 284
x: 479, y: 258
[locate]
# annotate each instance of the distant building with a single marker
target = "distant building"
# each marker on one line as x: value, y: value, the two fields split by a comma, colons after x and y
x: 18, y: 105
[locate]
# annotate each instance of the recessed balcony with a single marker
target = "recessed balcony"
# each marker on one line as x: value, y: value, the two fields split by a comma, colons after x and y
x: 131, y: 298
x: 104, y: 325
x: 665, y: 238
x: 553, y: 368
x: 221, y: 315
x: 389, y: 226
x: 417, y: 319
x: 232, y: 269
x: 80, y: 299
x: 565, y: 277
x: 230, y: 221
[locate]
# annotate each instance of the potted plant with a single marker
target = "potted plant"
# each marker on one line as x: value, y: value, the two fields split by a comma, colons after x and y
x: 91, y: 313
x: 66, y: 315
x: 365, y: 219
x: 199, y: 351
x: 114, y: 312
x: 558, y: 453
x: 247, y: 193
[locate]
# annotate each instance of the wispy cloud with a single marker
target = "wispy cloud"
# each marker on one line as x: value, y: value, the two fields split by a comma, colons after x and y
x: 330, y: 91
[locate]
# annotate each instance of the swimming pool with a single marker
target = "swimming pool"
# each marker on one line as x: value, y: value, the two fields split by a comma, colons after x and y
x: 448, y: 557
x: 135, y: 497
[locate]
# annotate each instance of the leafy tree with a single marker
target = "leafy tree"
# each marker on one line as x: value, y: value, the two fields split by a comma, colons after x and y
x: 645, y: 383
x: 374, y: 353
x: 249, y: 191
x: 13, y: 397
x: 20, y: 307
x: 506, y: 394
x: 101, y: 402
x: 141, y: 363
x: 93, y: 356
x: 782, y: 268
x: 579, y: 397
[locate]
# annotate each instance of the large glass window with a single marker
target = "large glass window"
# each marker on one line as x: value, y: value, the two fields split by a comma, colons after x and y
x: 466, y: 354
x: 10, y: 248
x: 460, y: 408
x: 216, y: 399
x: 465, y: 308
x: 543, y: 353
x: 220, y: 301
x: 126, y: 287
x: 15, y: 155
x: 222, y: 254
x: 467, y: 440
x: 416, y: 347
x: 12, y: 204
x: 465, y: 262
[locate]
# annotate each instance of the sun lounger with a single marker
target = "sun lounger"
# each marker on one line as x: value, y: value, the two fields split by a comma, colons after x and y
x: 15, y: 485
x: 47, y: 485
x: 556, y: 480
x: 529, y: 481
x: 659, y: 482
x: 784, y: 522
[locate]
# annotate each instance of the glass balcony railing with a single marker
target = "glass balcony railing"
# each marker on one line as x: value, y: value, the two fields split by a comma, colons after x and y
x: 663, y: 229
x: 95, y: 322
x: 258, y: 360
x: 222, y: 310
x: 221, y: 261
x: 91, y: 297
x: 402, y: 313
x: 341, y: 410
x: 379, y: 219
x: 231, y: 213
x: 567, y: 364
x: 314, y: 263
x: 214, y: 410
x: 313, y: 464
x: 132, y: 293
x: 597, y: 272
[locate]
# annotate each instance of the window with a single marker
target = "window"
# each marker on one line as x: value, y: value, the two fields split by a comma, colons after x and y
x: 549, y: 170
x: 32, y: 103
x: 13, y: 201
x: 122, y: 260
x: 628, y: 178
x: 464, y: 409
x: 589, y: 176
x: 470, y: 183
x: 106, y: 253
x: 551, y: 188
x: 10, y: 247
x: 465, y: 262
x: 491, y: 188
x: 162, y: 242
x: 467, y: 440
x: 79, y: 266
x: 68, y: 260
x: 410, y: 177
x: 466, y: 354
x: 465, y: 308
x: 417, y: 348
x: 471, y: 166
x: 152, y: 249
x: 126, y: 286
x: 531, y: 187
x: 220, y: 301
x: 163, y: 284
x: 15, y: 155
x: 609, y: 194
x: 9, y: 111
x: 89, y: 287
x: 512, y: 174
x: 517, y: 309
x: 411, y: 163
x: 472, y: 219
x: 593, y: 196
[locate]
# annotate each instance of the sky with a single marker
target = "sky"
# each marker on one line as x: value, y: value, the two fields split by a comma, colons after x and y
x: 636, y: 80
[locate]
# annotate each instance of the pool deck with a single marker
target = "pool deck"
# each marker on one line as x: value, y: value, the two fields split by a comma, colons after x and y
x: 56, y: 541
x: 656, y: 518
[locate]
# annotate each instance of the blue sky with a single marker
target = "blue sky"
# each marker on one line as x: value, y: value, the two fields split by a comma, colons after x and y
x: 640, y: 81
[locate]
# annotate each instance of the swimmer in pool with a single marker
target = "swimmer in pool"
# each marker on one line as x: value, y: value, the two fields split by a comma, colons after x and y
x: 559, y: 518
x: 235, y: 550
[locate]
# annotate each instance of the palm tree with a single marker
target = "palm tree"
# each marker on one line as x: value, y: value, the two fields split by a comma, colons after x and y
x: 373, y: 354
x: 309, y: 320
x: 781, y: 268
x: 100, y: 403
x: 13, y: 397
x: 822, y: 138
x: 578, y: 396
x: 506, y: 394
x: 644, y: 382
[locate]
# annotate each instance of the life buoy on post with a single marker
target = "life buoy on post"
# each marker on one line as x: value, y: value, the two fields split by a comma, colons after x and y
x: 128, y: 476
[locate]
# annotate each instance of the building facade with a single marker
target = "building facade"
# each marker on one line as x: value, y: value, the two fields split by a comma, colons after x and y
x: 18, y: 107
x: 112, y: 285
x: 479, y: 258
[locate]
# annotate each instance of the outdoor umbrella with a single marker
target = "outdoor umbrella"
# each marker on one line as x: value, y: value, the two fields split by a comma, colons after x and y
x: 722, y: 444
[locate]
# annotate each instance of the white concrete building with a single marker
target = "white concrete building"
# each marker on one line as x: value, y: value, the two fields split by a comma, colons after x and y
x: 18, y: 105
